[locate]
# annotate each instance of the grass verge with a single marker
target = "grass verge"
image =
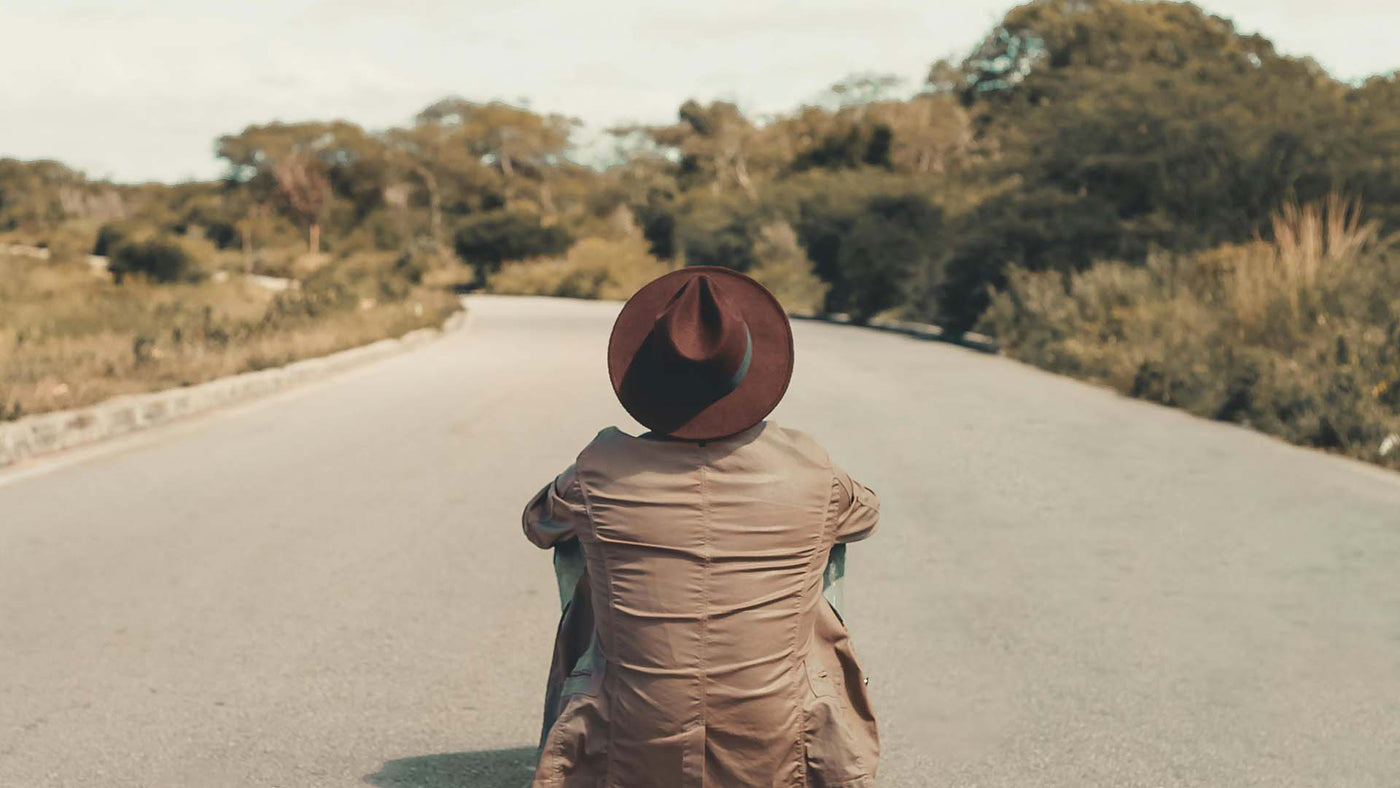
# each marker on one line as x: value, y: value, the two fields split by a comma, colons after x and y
x: 1298, y: 336
x: 70, y: 337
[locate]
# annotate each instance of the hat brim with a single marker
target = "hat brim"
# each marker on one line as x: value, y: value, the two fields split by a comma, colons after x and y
x: 757, y: 394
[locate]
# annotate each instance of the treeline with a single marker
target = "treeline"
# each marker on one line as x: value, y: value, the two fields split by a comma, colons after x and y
x: 1075, y: 132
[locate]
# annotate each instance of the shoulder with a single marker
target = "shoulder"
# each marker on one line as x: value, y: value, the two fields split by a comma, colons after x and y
x: 608, y: 436
x: 608, y: 442
x: 796, y: 443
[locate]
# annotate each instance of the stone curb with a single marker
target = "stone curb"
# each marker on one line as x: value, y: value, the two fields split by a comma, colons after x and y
x: 46, y: 433
x: 968, y: 339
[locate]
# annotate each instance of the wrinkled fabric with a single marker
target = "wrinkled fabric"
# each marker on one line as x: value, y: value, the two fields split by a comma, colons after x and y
x: 570, y: 567
x: 696, y: 648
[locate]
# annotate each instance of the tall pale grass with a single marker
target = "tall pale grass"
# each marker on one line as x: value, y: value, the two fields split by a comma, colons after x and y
x: 1310, y: 243
x: 609, y: 269
x: 1296, y: 336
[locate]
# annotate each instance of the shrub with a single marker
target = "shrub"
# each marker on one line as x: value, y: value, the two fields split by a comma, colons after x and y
x: 162, y: 259
x: 109, y: 237
x: 344, y: 283
x: 783, y: 268
x: 1277, y: 287
x: 486, y: 240
x: 593, y: 268
x: 223, y: 234
x: 414, y: 263
x: 718, y: 231
x: 869, y: 239
x: 1037, y: 229
x: 1298, y: 336
x: 885, y: 246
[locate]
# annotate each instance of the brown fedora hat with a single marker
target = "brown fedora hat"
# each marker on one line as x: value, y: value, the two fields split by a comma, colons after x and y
x: 701, y: 353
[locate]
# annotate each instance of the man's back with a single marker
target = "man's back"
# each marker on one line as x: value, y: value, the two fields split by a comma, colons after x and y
x: 705, y: 562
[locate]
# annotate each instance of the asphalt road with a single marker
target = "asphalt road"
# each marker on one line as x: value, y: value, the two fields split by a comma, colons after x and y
x: 330, y: 587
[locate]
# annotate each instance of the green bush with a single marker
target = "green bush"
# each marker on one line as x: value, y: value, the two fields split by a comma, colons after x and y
x: 357, y: 278
x: 895, y: 237
x: 783, y: 268
x: 161, y: 259
x: 719, y: 231
x: 1036, y: 229
x: 223, y: 234
x: 869, y: 250
x: 110, y: 236
x: 1298, y: 337
x: 488, y: 239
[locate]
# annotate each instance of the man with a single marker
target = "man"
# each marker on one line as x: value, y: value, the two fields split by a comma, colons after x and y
x: 696, y: 649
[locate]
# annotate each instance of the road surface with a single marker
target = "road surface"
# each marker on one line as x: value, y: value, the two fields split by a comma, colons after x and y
x: 329, y: 588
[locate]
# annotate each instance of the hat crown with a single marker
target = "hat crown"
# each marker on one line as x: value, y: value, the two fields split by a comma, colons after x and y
x: 702, y: 328
x: 700, y: 353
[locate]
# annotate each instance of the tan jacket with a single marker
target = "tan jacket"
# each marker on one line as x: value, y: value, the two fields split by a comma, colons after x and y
x: 697, y: 650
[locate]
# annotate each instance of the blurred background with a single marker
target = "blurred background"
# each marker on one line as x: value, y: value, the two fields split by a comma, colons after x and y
x: 1196, y: 205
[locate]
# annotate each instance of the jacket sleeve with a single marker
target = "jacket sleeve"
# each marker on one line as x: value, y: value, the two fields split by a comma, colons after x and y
x: 856, y: 507
x: 557, y: 512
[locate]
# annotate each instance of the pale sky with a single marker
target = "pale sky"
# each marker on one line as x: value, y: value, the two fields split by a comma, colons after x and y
x: 139, y: 90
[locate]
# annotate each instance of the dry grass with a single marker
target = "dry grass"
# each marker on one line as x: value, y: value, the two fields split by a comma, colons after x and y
x: 1282, y: 278
x: 1298, y: 336
x: 615, y: 268
x: 69, y: 338
x: 603, y: 268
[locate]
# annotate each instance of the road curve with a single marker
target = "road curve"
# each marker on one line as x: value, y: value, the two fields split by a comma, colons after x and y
x: 330, y: 588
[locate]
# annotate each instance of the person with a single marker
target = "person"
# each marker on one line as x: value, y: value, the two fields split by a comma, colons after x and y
x: 696, y: 648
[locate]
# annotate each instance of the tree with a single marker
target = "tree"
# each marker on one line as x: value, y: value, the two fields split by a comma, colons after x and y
x: 714, y: 143
x: 304, y: 189
x: 316, y: 172
x: 252, y: 224
x: 930, y: 133
x: 863, y: 88
x: 646, y: 183
x: 419, y: 150
x: 718, y: 230
x: 1119, y: 127
x: 889, y: 241
x: 524, y: 147
x: 31, y: 193
x: 1366, y: 147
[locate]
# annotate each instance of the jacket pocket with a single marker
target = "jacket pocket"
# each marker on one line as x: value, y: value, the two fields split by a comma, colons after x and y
x: 840, y: 738
x: 841, y: 748
x: 574, y: 754
x: 822, y: 683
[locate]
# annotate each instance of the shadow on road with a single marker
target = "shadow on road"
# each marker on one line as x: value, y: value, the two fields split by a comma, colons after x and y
x: 511, y: 768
